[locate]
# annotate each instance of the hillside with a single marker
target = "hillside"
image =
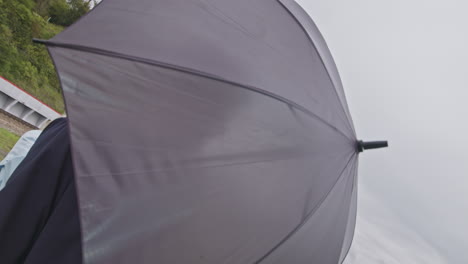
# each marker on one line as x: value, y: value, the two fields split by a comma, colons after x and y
x: 26, y: 64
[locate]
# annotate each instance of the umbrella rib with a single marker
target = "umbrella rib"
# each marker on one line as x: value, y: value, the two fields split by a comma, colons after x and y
x: 353, y: 230
x: 191, y: 71
x: 349, y: 122
x: 304, y: 221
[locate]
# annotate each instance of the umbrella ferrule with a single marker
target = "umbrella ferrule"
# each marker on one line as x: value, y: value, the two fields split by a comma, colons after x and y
x: 363, y: 145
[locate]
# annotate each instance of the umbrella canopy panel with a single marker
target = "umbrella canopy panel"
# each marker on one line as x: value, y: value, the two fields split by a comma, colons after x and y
x: 272, y: 45
x: 207, y: 132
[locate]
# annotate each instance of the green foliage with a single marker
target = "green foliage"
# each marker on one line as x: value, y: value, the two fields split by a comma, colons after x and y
x: 26, y: 64
x: 42, y: 7
x: 66, y: 13
x: 7, y: 141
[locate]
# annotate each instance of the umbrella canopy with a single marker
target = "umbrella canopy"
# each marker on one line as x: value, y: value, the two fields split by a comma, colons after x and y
x: 207, y: 132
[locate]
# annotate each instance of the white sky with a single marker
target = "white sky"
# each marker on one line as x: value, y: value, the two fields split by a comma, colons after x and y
x: 404, y: 65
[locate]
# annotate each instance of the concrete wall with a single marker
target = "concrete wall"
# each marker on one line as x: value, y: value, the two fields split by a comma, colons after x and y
x: 22, y: 105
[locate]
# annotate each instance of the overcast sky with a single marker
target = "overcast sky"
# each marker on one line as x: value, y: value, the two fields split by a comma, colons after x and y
x: 404, y: 68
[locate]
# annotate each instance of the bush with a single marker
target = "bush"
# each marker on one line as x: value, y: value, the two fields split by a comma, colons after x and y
x: 66, y: 13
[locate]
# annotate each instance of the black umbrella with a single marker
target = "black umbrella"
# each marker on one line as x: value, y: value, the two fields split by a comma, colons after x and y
x: 207, y: 132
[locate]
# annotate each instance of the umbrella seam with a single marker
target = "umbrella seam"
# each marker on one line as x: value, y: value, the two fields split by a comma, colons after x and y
x: 306, y: 219
x: 355, y: 217
x: 347, y: 114
x: 190, y: 71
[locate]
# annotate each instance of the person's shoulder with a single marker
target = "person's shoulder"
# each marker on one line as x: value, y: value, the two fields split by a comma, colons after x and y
x: 57, y: 123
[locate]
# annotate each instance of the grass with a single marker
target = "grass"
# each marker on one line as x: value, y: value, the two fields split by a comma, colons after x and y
x: 7, y: 141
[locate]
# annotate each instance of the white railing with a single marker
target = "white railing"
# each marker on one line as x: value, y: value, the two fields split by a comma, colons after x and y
x: 24, y: 106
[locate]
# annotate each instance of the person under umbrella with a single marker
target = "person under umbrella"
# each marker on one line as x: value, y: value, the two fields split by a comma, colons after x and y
x: 39, y: 221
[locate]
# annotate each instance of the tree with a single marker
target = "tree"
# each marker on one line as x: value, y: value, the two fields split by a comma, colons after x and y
x: 65, y: 13
x: 26, y: 64
x: 42, y: 7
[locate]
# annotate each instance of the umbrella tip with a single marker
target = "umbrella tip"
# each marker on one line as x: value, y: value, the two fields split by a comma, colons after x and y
x: 39, y: 41
x: 363, y: 145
